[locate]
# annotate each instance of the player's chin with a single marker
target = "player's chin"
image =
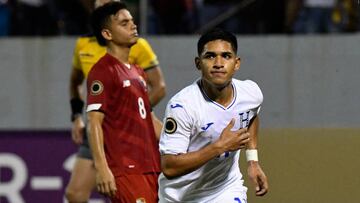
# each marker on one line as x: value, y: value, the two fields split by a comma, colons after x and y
x: 134, y: 39
x: 220, y: 82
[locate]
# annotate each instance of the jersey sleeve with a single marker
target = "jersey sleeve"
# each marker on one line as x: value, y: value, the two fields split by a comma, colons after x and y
x: 99, y: 87
x: 143, y: 55
x: 256, y: 94
x: 76, y: 56
x: 175, y: 137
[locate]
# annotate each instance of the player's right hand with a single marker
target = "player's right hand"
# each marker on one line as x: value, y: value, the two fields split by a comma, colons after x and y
x: 233, y: 140
x: 78, y: 130
x: 105, y: 182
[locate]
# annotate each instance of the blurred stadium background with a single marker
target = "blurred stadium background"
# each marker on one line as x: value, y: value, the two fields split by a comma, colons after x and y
x: 310, y: 123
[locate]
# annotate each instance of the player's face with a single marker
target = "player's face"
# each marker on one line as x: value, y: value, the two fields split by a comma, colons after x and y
x: 218, y: 63
x: 122, y: 30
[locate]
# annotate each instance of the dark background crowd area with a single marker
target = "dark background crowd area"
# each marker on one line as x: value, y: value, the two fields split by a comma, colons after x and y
x: 185, y: 17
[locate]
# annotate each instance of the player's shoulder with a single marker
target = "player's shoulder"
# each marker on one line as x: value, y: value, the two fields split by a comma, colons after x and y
x: 142, y: 42
x: 183, y: 103
x: 85, y: 39
x: 87, y: 42
x: 245, y: 83
x: 248, y: 88
x: 141, y: 45
x: 186, y: 97
x: 102, y: 65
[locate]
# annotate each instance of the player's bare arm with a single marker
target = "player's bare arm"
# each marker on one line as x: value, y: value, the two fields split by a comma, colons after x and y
x: 255, y: 173
x: 181, y: 164
x: 156, y: 84
x: 105, y: 181
x: 78, y: 126
x: 157, y: 125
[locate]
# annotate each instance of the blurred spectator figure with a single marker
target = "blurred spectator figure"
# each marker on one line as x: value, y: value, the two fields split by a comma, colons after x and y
x: 312, y: 16
x: 208, y: 10
x: 346, y: 15
x: 4, y: 17
x: 173, y: 16
x: 34, y: 18
x: 240, y: 17
x: 73, y: 16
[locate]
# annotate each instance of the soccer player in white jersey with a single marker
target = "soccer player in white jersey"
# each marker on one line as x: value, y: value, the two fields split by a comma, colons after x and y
x: 206, y: 125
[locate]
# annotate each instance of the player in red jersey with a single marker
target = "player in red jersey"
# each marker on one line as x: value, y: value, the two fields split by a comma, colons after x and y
x: 121, y: 133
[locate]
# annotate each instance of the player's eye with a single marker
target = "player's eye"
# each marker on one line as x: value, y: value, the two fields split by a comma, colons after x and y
x: 124, y: 23
x: 227, y: 56
x: 209, y: 56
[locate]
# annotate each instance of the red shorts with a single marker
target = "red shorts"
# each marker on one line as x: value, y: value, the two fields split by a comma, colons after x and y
x: 136, y: 189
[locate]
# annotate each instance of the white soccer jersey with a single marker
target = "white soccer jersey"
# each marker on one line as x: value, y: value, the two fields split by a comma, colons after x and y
x: 193, y: 121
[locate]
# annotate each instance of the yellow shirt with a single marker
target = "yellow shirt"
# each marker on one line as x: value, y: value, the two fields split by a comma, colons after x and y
x: 87, y: 52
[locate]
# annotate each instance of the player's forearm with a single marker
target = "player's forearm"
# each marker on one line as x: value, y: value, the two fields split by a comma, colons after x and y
x: 157, y: 87
x: 76, y: 80
x: 253, y: 130
x: 156, y: 93
x: 76, y: 92
x: 96, y: 141
x: 176, y: 165
x: 251, y: 148
x: 157, y: 125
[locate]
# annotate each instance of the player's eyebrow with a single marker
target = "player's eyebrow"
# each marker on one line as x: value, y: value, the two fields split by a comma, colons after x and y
x: 207, y: 53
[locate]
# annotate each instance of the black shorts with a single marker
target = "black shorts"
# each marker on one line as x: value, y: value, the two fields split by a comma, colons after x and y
x: 84, y: 149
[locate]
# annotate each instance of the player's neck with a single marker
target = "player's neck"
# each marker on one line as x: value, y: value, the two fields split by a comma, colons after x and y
x: 221, y: 95
x: 120, y: 53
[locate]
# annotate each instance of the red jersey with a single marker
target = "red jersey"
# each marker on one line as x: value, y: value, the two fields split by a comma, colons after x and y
x: 119, y: 91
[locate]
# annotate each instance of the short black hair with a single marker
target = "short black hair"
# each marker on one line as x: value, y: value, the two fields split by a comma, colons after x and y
x: 101, y: 16
x: 216, y: 34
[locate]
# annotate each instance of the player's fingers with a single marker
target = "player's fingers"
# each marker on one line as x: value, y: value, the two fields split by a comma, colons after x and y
x: 77, y: 138
x: 261, y: 192
x: 113, y: 189
x: 108, y: 189
x: 230, y: 125
x: 262, y: 186
x: 100, y: 188
x: 241, y: 131
x: 244, y: 138
x: 245, y: 135
x: 80, y: 136
x: 73, y: 135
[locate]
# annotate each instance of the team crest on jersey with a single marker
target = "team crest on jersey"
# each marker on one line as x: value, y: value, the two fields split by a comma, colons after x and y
x: 140, y: 200
x: 170, y: 125
x: 96, y: 87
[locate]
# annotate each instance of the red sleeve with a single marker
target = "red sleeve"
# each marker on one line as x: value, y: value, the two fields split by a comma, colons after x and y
x: 99, y: 87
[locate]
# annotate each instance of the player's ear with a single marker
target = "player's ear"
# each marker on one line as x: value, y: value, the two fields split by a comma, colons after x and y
x: 197, y: 62
x: 106, y: 34
x: 237, y: 63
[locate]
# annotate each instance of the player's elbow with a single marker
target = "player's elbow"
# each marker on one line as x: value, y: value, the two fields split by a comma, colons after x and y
x: 162, y: 90
x: 169, y: 173
x: 157, y: 93
x: 168, y: 167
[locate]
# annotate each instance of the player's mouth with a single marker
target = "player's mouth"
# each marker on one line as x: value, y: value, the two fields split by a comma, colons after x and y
x: 218, y: 73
